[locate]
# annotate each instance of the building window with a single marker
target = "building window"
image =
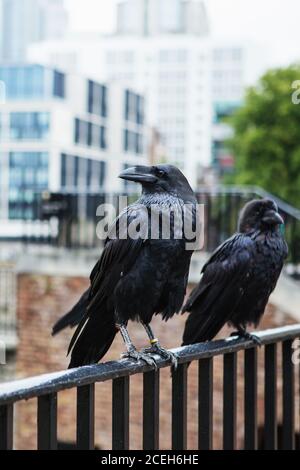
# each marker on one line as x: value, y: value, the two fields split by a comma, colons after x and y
x: 134, y: 107
x: 133, y: 142
x: 59, y: 84
x: 28, y: 175
x: 76, y: 171
x: 90, y: 127
x: 89, y: 134
x: 97, y: 99
x: 103, y: 143
x: 140, y: 110
x: 81, y: 173
x: 29, y: 125
x: 23, y: 82
x: 63, y: 170
x: 126, y: 140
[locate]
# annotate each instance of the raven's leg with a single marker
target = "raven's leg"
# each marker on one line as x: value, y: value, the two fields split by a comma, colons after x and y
x: 242, y: 333
x: 156, y: 348
x: 132, y: 352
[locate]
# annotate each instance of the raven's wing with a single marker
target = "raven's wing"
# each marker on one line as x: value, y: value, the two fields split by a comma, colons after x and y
x: 220, y: 289
x: 97, y: 330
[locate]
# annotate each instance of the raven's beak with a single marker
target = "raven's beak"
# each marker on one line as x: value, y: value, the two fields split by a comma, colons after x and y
x: 272, y: 217
x: 139, y: 174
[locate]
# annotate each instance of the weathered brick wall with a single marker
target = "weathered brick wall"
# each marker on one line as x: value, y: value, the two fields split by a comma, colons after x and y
x: 41, y: 301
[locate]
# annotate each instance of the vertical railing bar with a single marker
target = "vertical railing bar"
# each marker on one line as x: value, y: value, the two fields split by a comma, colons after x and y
x: 229, y: 401
x: 288, y: 397
x: 270, y: 399
x: 250, y: 399
x: 47, y: 422
x: 6, y: 426
x: 179, y: 407
x: 151, y: 410
x: 120, y: 414
x: 205, y: 404
x: 86, y: 417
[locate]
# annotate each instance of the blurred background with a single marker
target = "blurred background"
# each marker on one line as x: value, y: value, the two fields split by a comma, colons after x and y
x: 91, y: 87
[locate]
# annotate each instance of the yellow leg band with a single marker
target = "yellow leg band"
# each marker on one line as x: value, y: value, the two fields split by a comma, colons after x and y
x: 153, y: 341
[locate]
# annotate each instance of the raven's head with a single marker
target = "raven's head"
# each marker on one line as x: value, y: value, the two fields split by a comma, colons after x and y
x: 259, y: 214
x: 159, y: 179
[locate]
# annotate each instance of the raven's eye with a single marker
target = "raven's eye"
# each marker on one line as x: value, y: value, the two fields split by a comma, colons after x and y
x: 160, y: 173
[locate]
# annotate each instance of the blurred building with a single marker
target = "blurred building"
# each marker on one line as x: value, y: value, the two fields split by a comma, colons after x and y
x: 63, y: 133
x: 228, y: 86
x: 161, y: 48
x: 155, y: 17
x: 23, y: 22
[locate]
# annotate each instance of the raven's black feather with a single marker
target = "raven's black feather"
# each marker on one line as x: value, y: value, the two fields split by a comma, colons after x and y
x: 136, y: 278
x: 239, y: 276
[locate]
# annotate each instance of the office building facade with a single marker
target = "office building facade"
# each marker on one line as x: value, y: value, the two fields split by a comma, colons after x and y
x: 64, y: 133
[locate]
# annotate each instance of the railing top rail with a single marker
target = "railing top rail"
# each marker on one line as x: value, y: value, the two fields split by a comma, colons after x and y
x: 57, y: 381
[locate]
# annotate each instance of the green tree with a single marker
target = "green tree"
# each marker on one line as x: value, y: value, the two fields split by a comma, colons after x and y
x: 266, y: 138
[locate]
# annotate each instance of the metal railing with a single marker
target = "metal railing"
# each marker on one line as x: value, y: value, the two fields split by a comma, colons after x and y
x: 47, y: 387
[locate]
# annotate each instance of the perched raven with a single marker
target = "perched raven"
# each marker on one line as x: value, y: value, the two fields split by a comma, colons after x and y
x: 136, y: 277
x: 239, y: 276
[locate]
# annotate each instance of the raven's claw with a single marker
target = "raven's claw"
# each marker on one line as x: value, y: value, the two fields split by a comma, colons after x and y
x: 249, y: 336
x: 162, y: 352
x: 139, y: 356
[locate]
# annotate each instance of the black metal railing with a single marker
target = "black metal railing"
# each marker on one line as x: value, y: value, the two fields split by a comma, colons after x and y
x: 46, y: 389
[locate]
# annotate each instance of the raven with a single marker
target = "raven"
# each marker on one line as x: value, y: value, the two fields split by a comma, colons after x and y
x: 136, y: 276
x: 239, y: 276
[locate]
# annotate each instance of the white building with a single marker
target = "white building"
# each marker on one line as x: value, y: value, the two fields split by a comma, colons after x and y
x: 229, y: 80
x: 156, y: 17
x: 63, y: 133
x: 23, y: 22
x: 172, y: 67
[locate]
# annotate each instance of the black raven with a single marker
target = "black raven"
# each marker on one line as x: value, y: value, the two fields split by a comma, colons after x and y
x: 136, y: 277
x: 239, y: 276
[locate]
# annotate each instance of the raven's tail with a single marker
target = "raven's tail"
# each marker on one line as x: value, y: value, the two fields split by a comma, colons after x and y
x: 93, y: 338
x: 74, y: 316
x: 200, y: 328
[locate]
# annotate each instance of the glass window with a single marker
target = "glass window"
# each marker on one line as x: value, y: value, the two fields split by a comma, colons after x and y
x: 97, y: 99
x: 77, y: 131
x: 126, y: 140
x: 104, y: 101
x: 76, y: 171
x: 63, y: 170
x: 89, y: 173
x: 28, y: 174
x: 103, y: 143
x: 90, y: 96
x: 90, y: 128
x: 102, y: 173
x: 25, y: 82
x: 59, y: 84
x: 29, y: 125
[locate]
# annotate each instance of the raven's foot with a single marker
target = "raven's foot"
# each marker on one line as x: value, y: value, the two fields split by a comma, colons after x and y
x: 139, y: 356
x: 249, y: 336
x: 156, y: 348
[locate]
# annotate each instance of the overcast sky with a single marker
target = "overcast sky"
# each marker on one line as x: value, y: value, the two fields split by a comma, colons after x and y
x: 275, y: 23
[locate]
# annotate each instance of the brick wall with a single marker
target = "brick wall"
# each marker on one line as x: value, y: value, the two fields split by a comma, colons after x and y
x: 41, y: 301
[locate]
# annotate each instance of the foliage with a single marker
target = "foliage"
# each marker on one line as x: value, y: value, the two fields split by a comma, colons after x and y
x: 266, y: 139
